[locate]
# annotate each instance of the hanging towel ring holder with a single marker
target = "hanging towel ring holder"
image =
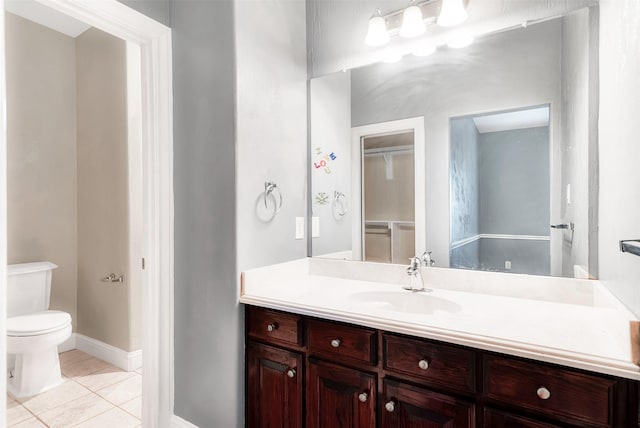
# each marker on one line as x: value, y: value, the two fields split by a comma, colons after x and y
x: 265, y: 211
x: 339, y: 205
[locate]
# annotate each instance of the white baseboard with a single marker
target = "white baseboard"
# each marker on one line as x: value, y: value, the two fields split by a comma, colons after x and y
x: 178, y: 422
x: 128, y: 361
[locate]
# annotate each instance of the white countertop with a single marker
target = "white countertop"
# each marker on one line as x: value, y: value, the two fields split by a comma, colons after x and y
x: 576, y: 323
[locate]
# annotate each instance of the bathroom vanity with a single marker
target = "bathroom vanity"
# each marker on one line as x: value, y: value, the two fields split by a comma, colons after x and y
x: 332, y: 343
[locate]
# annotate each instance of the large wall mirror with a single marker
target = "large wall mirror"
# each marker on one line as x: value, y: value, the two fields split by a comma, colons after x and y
x: 483, y: 155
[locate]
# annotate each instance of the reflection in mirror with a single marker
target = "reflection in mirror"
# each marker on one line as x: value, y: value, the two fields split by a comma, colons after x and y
x: 388, y: 189
x: 499, y: 187
x: 550, y: 64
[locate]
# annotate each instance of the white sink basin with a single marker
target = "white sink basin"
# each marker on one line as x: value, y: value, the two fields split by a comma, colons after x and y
x: 405, y: 301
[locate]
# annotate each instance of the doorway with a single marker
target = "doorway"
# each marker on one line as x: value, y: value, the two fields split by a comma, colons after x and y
x: 150, y: 125
x: 375, y: 149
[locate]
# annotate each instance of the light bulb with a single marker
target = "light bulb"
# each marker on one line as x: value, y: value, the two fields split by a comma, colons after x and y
x: 377, y: 33
x: 412, y: 23
x: 452, y: 13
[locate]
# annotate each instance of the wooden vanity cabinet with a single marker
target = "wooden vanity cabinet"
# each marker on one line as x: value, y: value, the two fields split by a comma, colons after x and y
x: 404, y: 405
x: 339, y: 396
x: 306, y: 372
x: 274, y: 387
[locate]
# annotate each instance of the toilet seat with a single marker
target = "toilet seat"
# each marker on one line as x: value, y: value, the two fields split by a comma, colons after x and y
x: 38, y: 323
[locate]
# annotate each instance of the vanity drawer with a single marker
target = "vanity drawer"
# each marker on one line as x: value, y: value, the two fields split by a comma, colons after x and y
x: 342, y: 341
x: 273, y: 326
x: 434, y: 363
x: 576, y: 397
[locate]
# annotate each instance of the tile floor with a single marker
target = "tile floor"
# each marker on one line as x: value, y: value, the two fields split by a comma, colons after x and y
x: 94, y: 394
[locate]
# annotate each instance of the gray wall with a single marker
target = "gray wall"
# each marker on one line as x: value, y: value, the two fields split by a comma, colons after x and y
x: 208, y: 323
x: 577, y: 138
x: 271, y: 126
x: 484, y: 77
x: 619, y: 148
x: 526, y: 256
x: 514, y: 182
x: 330, y: 103
x: 463, y: 179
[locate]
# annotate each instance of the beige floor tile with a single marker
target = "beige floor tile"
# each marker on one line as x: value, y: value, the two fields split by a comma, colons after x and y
x: 134, y: 407
x: 30, y: 423
x: 123, y: 391
x: 68, y: 391
x: 83, y: 368
x: 76, y: 411
x: 9, y: 400
x: 112, y: 418
x: 73, y: 356
x: 103, y: 378
x: 139, y: 371
x: 17, y: 413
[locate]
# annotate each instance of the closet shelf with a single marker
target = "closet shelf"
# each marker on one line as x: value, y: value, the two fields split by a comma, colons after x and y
x: 631, y: 246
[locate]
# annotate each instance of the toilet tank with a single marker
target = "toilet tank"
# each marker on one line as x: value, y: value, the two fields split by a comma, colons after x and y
x: 28, y: 287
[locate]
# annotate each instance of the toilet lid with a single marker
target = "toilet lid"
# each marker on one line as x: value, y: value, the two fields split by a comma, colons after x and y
x: 37, y: 323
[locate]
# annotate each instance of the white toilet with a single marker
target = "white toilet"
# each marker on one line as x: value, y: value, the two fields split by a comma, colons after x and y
x: 33, y: 331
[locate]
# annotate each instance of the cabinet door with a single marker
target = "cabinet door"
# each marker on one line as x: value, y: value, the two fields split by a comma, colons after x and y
x: 339, y: 397
x: 497, y: 419
x: 406, y: 406
x: 274, y: 387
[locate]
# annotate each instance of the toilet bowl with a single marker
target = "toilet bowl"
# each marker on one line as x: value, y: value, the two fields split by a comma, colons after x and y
x: 34, y: 340
x: 33, y: 332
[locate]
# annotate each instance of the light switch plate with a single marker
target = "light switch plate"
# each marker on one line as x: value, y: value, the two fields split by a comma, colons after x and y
x: 315, y: 227
x: 299, y: 227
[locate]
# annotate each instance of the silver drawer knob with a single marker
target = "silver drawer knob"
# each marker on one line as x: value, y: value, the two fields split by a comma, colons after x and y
x: 423, y: 364
x: 543, y: 393
x: 291, y: 373
x: 390, y: 406
x: 363, y: 397
x: 335, y: 343
x: 271, y: 327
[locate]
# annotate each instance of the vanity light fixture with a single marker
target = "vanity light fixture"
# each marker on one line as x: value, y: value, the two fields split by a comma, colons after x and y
x: 412, y: 22
x: 452, y: 13
x: 377, y: 34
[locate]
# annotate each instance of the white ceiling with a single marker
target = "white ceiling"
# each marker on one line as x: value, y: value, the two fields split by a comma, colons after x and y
x: 521, y: 119
x: 33, y: 11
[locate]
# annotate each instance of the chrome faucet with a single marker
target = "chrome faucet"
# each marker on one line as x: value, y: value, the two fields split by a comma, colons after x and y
x: 427, y: 260
x: 413, y: 270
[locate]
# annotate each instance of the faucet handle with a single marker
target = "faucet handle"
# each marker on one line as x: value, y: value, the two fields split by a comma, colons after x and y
x: 414, y: 264
x: 426, y: 259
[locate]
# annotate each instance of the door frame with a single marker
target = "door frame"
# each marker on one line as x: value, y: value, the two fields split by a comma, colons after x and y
x: 415, y: 124
x: 156, y: 131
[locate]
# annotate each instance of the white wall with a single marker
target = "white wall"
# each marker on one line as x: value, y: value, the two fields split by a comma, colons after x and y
x: 331, y: 133
x: 619, y: 147
x: 271, y: 127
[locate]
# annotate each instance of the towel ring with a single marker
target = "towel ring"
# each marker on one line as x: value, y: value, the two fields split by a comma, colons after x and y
x: 339, y: 205
x: 265, y: 211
